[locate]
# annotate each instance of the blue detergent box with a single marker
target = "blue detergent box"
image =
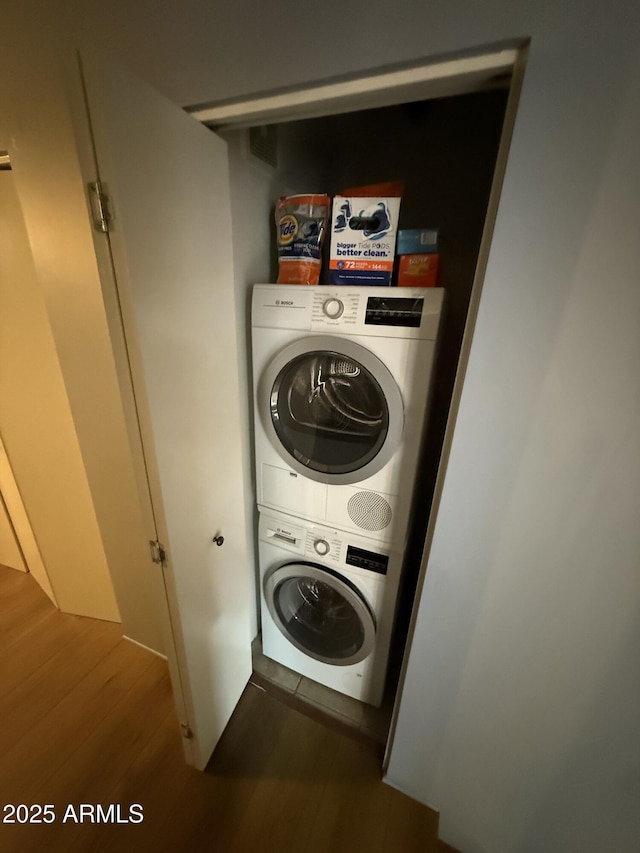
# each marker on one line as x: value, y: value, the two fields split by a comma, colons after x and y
x: 417, y: 241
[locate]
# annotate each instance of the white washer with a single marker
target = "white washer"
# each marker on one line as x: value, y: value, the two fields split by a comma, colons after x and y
x: 328, y: 602
x: 341, y: 384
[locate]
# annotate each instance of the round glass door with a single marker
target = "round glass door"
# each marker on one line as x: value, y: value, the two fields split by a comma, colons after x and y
x: 321, y: 613
x: 333, y: 410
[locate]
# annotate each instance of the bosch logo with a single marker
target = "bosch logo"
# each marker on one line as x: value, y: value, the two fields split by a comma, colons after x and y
x: 284, y: 302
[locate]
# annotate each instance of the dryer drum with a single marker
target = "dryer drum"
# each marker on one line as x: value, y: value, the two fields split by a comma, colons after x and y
x: 331, y: 409
x: 328, y: 392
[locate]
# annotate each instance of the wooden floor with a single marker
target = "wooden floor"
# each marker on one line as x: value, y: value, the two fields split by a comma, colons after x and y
x: 86, y: 717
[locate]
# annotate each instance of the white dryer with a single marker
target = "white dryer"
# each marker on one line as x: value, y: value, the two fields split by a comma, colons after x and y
x: 328, y: 602
x: 341, y: 383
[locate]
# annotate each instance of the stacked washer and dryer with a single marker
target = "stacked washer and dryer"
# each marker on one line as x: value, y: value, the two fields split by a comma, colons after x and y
x: 341, y: 385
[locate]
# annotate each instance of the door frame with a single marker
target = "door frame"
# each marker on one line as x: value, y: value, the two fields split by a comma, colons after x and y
x: 440, y: 77
x: 457, y: 74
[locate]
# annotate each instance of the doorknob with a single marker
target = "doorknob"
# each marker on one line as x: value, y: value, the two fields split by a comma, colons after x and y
x: 218, y: 539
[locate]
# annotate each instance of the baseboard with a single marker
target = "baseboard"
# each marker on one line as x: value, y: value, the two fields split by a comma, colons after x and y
x: 146, y: 648
x: 443, y: 847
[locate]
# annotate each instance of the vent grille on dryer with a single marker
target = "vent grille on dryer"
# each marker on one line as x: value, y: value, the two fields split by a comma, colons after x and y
x: 369, y: 511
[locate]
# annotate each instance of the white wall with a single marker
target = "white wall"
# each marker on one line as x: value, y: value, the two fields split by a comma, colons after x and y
x: 83, y: 443
x: 10, y: 554
x: 22, y: 529
x: 39, y: 436
x: 521, y: 698
x: 525, y: 699
x: 518, y: 718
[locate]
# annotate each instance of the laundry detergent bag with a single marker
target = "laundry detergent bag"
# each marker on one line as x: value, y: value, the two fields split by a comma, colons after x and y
x: 301, y: 223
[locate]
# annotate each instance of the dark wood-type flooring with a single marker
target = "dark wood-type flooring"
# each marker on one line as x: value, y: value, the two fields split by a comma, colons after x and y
x: 87, y: 717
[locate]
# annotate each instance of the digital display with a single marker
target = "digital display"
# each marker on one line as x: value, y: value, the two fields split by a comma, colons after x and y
x: 393, y: 311
x: 369, y: 560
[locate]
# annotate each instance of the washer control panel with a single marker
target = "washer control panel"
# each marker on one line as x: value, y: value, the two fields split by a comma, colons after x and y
x: 372, y: 561
x: 322, y: 544
x: 321, y: 547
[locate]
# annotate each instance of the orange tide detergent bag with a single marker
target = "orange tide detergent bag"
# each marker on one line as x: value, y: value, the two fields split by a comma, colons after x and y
x: 301, y: 223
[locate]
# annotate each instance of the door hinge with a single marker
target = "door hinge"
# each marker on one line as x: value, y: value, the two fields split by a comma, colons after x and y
x: 158, y: 554
x: 100, y: 206
x: 186, y: 731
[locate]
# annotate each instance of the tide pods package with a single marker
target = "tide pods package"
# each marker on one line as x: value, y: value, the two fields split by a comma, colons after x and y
x: 363, y: 234
x: 301, y: 223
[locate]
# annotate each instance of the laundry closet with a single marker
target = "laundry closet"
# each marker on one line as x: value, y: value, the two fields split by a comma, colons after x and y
x: 184, y: 247
x: 444, y: 151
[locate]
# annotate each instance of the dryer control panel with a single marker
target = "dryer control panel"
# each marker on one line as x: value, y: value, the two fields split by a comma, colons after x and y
x: 335, y: 309
x: 344, y: 309
x: 399, y: 312
x: 402, y: 312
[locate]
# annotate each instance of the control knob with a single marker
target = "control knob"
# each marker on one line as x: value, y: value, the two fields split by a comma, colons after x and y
x: 333, y: 308
x: 321, y: 547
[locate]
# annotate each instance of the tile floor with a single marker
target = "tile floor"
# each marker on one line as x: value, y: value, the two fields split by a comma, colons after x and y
x: 371, y: 722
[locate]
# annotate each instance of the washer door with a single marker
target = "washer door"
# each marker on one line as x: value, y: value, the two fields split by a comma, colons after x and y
x: 331, y: 409
x: 320, y: 612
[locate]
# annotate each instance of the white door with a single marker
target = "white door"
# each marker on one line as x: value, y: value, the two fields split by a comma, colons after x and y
x: 167, y: 177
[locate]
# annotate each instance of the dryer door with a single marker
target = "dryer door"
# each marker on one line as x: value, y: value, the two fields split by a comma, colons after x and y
x: 320, y: 612
x: 331, y: 409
